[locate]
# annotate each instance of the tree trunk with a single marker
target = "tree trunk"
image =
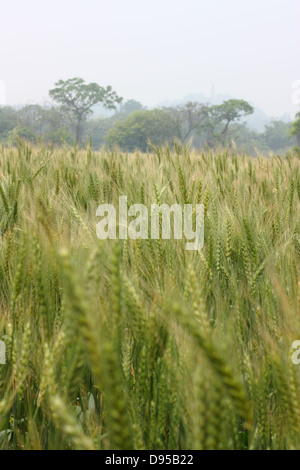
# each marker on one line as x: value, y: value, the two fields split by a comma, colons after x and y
x: 78, y: 130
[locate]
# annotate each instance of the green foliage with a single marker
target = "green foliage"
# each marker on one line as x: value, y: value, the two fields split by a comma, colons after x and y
x: 188, y: 117
x: 295, y: 130
x: 25, y: 133
x: 217, y: 124
x: 134, y: 132
x: 8, y: 120
x: 276, y: 135
x: 201, y: 124
x: 130, y: 106
x: 77, y: 99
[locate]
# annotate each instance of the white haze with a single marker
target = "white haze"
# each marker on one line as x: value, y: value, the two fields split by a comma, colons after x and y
x: 155, y: 50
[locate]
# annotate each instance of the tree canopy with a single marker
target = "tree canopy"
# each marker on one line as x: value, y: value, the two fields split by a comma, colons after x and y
x: 133, y: 133
x: 77, y: 99
x: 188, y: 118
x: 219, y: 118
x: 295, y: 129
x: 75, y: 114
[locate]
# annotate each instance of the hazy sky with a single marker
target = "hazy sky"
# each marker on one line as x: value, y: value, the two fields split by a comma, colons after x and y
x: 153, y: 50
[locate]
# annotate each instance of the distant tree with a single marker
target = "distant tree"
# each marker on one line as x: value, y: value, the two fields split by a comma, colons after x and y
x: 25, y: 133
x: 8, y: 120
x: 59, y: 136
x: 230, y: 111
x: 57, y: 127
x: 130, y: 106
x: 44, y: 122
x: 76, y: 100
x: 188, y: 118
x: 245, y: 139
x: 276, y: 135
x: 97, y: 128
x: 31, y: 117
x: 295, y: 129
x: 217, y: 124
x: 157, y: 125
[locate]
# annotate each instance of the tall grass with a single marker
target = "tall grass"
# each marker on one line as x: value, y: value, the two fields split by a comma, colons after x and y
x: 141, y: 344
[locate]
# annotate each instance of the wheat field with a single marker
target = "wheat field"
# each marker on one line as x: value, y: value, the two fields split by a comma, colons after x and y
x: 140, y: 344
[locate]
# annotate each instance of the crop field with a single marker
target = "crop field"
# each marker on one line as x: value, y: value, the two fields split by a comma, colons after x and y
x: 141, y: 344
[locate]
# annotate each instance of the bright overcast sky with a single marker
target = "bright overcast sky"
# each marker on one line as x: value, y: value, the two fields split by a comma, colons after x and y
x: 153, y: 50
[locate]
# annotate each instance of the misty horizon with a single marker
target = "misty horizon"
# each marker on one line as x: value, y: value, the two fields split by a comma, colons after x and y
x: 156, y: 53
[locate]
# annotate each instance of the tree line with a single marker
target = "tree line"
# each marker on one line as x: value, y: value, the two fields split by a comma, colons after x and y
x: 69, y: 118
